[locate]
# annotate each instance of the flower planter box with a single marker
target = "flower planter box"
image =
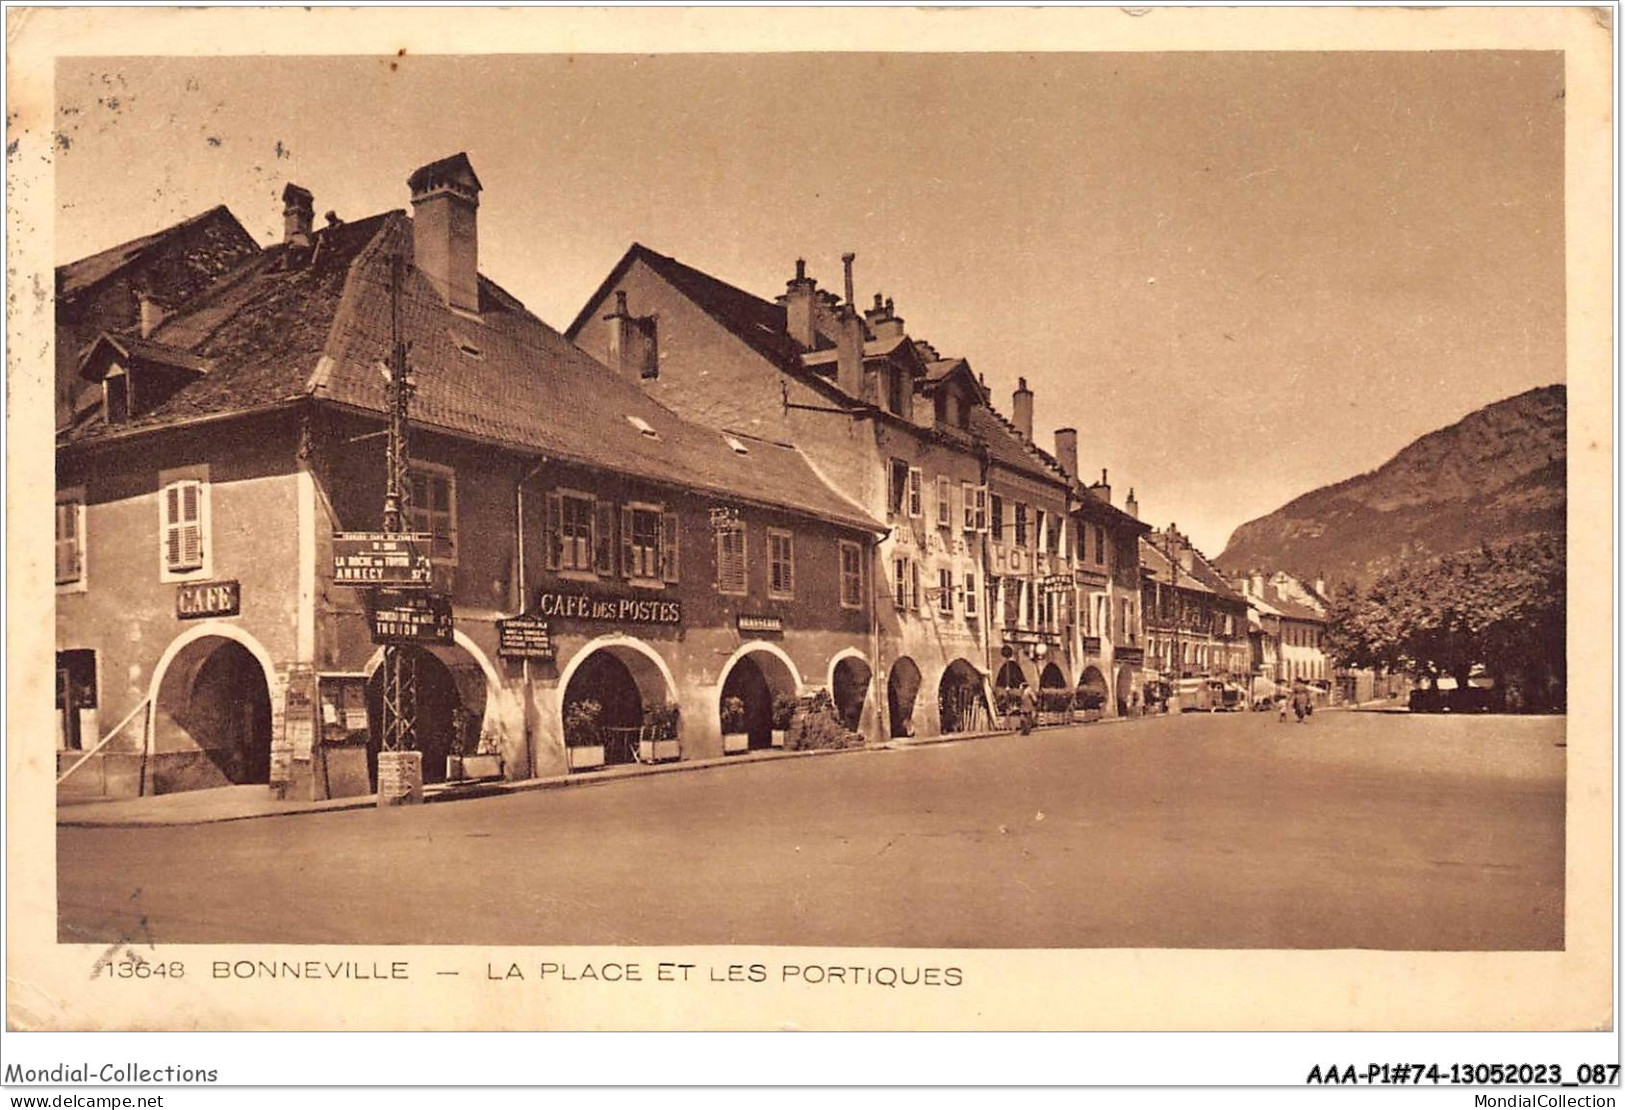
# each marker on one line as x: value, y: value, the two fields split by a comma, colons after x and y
x: 586, y: 757
x: 467, y: 768
x: 1055, y: 717
x: 658, y: 749
x: 1090, y: 715
x: 778, y: 737
x: 735, y: 742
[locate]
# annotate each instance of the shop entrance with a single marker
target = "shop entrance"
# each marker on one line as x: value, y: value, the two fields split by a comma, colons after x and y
x: 902, y: 689
x: 450, y: 695
x: 756, y: 679
x: 212, y: 718
x: 961, y: 703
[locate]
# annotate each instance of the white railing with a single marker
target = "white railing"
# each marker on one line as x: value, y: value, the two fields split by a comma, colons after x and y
x: 100, y: 744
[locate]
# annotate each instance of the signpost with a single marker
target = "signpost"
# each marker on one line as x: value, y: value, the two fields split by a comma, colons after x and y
x: 382, y: 559
x: 409, y: 617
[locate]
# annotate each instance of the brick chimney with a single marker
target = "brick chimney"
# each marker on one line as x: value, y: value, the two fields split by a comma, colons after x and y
x: 846, y: 264
x: 882, y: 320
x: 1131, y: 506
x: 634, y: 349
x: 1066, y: 451
x: 1021, y: 408
x: 849, y: 372
x: 445, y: 238
x: 298, y: 214
x: 151, y: 313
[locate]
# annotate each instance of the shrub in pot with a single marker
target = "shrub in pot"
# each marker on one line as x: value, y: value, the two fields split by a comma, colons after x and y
x: 584, y: 743
x: 734, y: 736
x: 784, y: 711
x: 657, y: 739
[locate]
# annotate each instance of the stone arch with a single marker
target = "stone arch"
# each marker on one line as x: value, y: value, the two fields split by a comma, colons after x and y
x: 1052, y: 677
x: 757, y: 674
x: 961, y: 698
x: 625, y: 670
x: 209, y: 710
x: 850, y: 678
x: 902, y: 690
x: 1125, y: 689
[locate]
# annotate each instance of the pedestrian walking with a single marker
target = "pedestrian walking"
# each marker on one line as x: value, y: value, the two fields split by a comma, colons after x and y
x: 1029, y: 709
x: 1300, y: 702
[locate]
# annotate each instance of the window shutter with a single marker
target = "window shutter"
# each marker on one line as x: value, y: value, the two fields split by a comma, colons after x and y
x: 915, y: 480
x: 67, y: 542
x: 552, y: 541
x: 628, y: 561
x: 668, y: 547
x: 970, y: 595
x: 914, y: 585
x: 894, y: 496
x: 603, y: 537
x: 945, y: 499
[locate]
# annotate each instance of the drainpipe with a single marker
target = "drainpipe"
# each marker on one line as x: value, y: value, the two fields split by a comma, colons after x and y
x: 519, y: 544
x: 875, y: 565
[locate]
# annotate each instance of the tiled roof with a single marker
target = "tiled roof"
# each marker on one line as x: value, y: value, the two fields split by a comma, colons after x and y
x: 1007, y: 447
x: 1288, y: 607
x: 317, y: 322
x: 74, y: 277
x: 132, y: 346
x: 1202, y: 575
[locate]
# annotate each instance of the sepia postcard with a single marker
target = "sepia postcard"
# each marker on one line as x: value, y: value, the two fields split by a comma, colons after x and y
x: 828, y: 519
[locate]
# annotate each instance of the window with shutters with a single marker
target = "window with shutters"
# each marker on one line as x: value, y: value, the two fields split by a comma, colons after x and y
x: 1052, y: 538
x: 981, y: 508
x: 997, y: 522
x: 906, y: 584
x: 70, y: 539
x: 731, y: 566
x: 945, y: 502
x: 897, y: 487
x: 1100, y: 545
x: 781, y: 564
x: 945, y: 591
x: 183, y: 517
x: 642, y: 530
x: 915, y: 495
x: 574, y: 516
x: 851, y: 575
x: 967, y: 500
x: 434, y: 508
x: 972, y: 605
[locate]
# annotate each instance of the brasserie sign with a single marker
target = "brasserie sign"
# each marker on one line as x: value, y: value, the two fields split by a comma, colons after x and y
x: 582, y: 605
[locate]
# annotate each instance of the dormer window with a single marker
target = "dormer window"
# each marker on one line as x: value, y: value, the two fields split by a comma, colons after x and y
x: 466, y: 345
x: 643, y: 426
x: 736, y: 446
x: 897, y: 391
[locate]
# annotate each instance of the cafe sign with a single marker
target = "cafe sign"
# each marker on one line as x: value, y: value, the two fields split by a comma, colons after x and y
x: 410, y: 617
x: 584, y: 605
x: 524, y: 637
x: 208, y: 599
x: 382, y: 558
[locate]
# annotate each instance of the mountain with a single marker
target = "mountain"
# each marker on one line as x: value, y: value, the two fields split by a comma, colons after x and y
x: 1495, y: 475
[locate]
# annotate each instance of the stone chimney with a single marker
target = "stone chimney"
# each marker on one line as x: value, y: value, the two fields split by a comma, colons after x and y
x: 634, y: 350
x: 882, y: 320
x: 800, y: 292
x: 1320, y: 583
x: 1103, y: 490
x: 846, y: 264
x: 1255, y: 584
x: 445, y: 238
x: 151, y: 313
x: 298, y: 214
x: 849, y: 372
x: 1021, y: 409
x: 1131, y: 506
x: 1066, y: 451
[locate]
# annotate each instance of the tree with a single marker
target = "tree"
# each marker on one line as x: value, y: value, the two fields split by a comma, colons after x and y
x: 1501, y: 609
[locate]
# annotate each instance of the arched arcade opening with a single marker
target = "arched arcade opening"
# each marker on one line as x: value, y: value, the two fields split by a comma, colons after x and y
x: 451, y: 695
x: 849, y: 688
x: 612, y: 686
x: 756, y: 679
x: 961, y: 702
x: 902, y: 690
x: 211, y: 717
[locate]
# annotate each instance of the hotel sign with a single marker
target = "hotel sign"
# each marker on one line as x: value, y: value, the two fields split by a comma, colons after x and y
x: 382, y: 558
x: 524, y: 637
x: 208, y: 599
x: 410, y: 617
x: 583, y: 605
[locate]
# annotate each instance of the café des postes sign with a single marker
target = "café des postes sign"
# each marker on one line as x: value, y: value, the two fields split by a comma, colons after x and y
x: 409, y: 617
x: 208, y: 599
x: 583, y: 605
x: 382, y: 558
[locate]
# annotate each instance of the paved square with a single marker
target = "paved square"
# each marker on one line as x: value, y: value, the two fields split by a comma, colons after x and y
x: 1356, y: 830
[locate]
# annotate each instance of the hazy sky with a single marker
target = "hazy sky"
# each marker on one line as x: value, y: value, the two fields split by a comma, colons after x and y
x: 1240, y: 276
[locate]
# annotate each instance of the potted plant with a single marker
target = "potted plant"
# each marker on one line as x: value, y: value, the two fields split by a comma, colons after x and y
x: 1055, y: 707
x: 1090, y: 701
x: 583, y: 742
x: 784, y: 711
x: 734, y: 736
x: 657, y: 739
